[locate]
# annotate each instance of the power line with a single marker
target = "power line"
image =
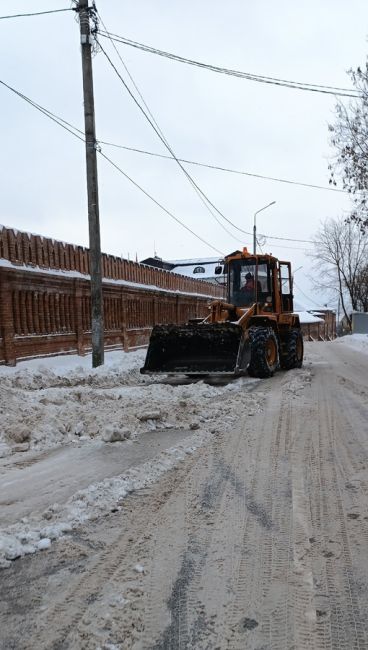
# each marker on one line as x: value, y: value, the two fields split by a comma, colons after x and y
x: 38, y: 13
x: 301, y: 241
x: 199, y: 192
x: 55, y: 118
x: 292, y: 248
x: 163, y: 140
x: 139, y: 187
x: 152, y: 121
x: 245, y: 232
x: 297, y: 85
x: 305, y: 295
x: 131, y: 78
x: 189, y: 162
x: 60, y: 123
x: 202, y: 196
x: 75, y: 131
x: 226, y: 169
x: 168, y: 147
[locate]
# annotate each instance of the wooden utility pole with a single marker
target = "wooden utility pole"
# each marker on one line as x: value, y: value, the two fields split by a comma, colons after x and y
x: 92, y: 188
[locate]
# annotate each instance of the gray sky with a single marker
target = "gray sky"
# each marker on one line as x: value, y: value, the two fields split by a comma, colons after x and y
x: 206, y: 117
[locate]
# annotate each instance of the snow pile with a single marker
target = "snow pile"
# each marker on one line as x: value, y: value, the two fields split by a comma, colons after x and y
x: 55, y: 402
x: 49, y: 402
x: 356, y: 341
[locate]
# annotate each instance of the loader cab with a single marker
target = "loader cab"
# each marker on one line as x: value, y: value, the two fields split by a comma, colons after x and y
x: 250, y: 280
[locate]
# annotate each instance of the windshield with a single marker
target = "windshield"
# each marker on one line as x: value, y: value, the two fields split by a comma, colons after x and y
x: 248, y: 283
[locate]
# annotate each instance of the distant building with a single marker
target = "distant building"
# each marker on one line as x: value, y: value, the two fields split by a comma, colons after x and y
x: 317, y: 325
x: 210, y: 269
x: 158, y: 263
x: 359, y: 323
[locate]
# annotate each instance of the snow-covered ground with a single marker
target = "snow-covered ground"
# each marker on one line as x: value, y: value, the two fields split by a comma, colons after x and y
x: 356, y: 341
x: 61, y: 401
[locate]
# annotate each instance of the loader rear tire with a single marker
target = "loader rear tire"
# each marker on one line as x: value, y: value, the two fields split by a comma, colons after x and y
x: 264, y: 359
x: 293, y: 350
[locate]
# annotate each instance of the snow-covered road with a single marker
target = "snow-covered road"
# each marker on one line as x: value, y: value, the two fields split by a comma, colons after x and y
x: 249, y: 532
x: 34, y: 481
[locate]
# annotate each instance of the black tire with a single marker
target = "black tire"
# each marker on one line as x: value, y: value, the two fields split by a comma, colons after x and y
x: 264, y: 359
x: 293, y: 350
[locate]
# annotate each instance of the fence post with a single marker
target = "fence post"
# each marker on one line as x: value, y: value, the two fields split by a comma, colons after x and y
x: 78, y: 317
x: 155, y: 311
x: 6, y: 318
x: 124, y: 333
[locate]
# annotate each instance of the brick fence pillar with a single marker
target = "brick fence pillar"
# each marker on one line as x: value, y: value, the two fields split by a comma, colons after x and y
x: 6, y: 318
x: 124, y: 325
x: 78, y: 316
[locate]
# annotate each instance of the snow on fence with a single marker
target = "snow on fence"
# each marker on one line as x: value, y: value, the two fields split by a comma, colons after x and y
x: 45, y: 298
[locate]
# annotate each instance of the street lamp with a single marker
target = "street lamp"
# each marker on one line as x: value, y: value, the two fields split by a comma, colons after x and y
x: 255, y: 226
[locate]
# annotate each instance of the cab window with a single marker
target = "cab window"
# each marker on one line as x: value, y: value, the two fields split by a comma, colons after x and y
x: 249, y: 284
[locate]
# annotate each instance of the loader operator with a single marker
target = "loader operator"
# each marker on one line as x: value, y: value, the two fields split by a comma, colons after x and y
x: 250, y: 285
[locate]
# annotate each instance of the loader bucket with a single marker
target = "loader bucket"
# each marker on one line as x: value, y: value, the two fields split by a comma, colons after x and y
x: 197, y: 348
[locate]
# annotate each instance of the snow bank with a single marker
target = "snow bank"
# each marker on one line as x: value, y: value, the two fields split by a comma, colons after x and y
x: 357, y: 341
x: 48, y: 402
x: 61, y: 400
x: 58, y: 400
x: 63, y: 365
x: 36, y: 533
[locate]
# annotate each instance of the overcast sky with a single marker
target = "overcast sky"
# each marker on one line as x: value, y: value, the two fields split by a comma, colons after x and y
x: 206, y: 117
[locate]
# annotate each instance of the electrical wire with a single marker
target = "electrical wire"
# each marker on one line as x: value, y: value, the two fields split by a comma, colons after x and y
x: 305, y: 295
x: 63, y: 125
x: 131, y: 78
x: 203, y: 197
x: 245, y: 232
x: 38, y: 13
x: 75, y: 131
x: 292, y: 248
x: 183, y: 168
x: 260, y: 246
x: 139, y: 187
x: 55, y: 118
x: 189, y: 162
x: 297, y: 85
x: 226, y: 169
x: 165, y: 141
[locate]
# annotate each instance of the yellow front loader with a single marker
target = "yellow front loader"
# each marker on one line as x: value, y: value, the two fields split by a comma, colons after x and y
x: 254, y: 330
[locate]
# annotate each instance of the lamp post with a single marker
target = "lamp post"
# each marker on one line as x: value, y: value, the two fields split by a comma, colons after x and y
x: 255, y: 226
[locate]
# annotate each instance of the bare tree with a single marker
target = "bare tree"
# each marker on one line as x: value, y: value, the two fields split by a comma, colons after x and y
x: 349, y: 137
x: 341, y: 262
x: 363, y: 289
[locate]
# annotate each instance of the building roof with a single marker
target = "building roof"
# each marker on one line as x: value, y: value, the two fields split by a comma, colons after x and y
x: 195, y: 260
x: 306, y: 317
x: 200, y: 270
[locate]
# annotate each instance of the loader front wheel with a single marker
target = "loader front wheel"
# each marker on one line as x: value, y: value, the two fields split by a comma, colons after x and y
x: 293, y: 350
x: 264, y: 359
